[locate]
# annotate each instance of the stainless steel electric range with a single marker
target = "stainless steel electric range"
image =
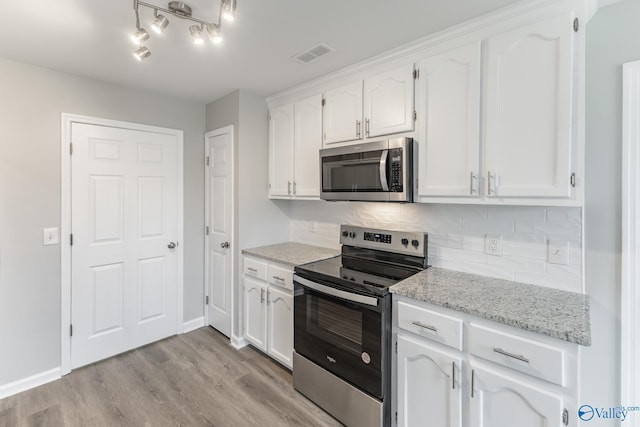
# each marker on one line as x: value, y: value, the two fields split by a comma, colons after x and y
x: 342, y: 323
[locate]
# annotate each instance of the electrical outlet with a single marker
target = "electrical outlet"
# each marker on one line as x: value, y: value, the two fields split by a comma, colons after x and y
x: 313, y: 226
x: 493, y: 244
x: 558, y: 252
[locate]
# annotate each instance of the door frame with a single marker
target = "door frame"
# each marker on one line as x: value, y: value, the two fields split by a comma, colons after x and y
x: 630, y: 265
x: 66, y: 222
x: 232, y: 235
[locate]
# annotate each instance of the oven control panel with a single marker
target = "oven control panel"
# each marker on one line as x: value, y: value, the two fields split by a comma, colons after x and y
x: 403, y: 242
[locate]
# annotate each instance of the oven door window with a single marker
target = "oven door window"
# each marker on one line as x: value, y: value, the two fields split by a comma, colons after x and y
x: 343, y: 337
x: 356, y: 172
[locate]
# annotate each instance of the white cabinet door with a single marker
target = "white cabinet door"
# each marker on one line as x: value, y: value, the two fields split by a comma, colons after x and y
x: 429, y: 385
x: 307, y: 143
x: 448, y: 97
x: 280, y: 322
x: 342, y: 114
x: 255, y: 312
x: 500, y: 401
x: 528, y: 110
x: 388, y: 102
x: 281, y: 151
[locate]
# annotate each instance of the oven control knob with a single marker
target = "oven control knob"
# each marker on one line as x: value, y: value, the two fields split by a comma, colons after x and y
x: 352, y: 234
x: 345, y: 233
x: 405, y: 241
x: 415, y: 243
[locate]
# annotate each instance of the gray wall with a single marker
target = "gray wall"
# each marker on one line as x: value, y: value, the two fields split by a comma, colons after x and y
x: 613, y: 38
x: 260, y: 221
x: 31, y: 102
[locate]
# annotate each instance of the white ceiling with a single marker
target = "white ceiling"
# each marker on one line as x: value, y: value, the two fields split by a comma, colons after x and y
x: 90, y: 38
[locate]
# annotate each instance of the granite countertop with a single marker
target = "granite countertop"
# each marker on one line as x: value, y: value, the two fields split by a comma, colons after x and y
x: 292, y: 253
x: 558, y: 314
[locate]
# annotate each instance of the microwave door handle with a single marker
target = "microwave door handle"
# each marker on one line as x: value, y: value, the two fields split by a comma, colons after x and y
x: 383, y: 170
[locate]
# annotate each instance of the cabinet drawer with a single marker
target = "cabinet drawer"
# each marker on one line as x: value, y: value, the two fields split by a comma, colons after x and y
x: 524, y: 355
x: 280, y: 276
x: 254, y: 268
x: 430, y: 324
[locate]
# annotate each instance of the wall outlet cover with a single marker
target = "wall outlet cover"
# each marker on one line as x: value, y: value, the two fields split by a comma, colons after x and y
x: 558, y: 252
x: 493, y: 244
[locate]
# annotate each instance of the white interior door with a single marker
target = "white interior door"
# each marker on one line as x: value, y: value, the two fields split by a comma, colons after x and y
x: 219, y: 193
x: 125, y: 225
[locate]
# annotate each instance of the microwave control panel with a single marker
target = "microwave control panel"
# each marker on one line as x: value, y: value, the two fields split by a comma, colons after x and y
x: 395, y: 161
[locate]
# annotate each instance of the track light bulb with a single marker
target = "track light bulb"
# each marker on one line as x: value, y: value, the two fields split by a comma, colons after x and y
x: 228, y: 9
x: 214, y: 33
x: 139, y: 36
x: 196, y: 34
x: 142, y: 53
x: 159, y: 24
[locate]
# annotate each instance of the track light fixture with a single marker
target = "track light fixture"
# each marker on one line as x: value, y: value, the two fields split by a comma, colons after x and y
x: 226, y: 10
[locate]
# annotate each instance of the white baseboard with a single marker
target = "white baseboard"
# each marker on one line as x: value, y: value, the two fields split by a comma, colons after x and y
x: 193, y: 325
x: 238, y: 342
x: 25, y: 384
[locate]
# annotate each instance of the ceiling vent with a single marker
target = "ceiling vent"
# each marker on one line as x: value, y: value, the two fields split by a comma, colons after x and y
x: 313, y: 53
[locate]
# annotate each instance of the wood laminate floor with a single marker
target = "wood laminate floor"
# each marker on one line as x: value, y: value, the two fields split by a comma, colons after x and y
x: 195, y: 379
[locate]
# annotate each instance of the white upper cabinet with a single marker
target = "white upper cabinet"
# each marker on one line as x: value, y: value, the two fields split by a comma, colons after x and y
x: 448, y: 94
x: 294, y: 142
x: 528, y: 110
x: 307, y: 144
x: 281, y: 151
x: 342, y: 119
x: 388, y: 102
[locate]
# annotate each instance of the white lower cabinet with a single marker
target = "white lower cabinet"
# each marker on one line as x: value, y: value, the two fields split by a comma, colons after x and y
x: 268, y: 308
x: 456, y: 370
x: 498, y: 400
x: 429, y: 385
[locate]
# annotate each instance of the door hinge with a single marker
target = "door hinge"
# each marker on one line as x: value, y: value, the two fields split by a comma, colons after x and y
x: 396, y: 417
x: 206, y: 230
x: 416, y: 73
x: 576, y: 25
x: 206, y: 300
x: 71, y: 149
x: 207, y: 160
x: 70, y: 330
x: 324, y: 101
x: 415, y: 115
x: 71, y: 239
x: 572, y: 180
x: 565, y: 417
x: 396, y: 347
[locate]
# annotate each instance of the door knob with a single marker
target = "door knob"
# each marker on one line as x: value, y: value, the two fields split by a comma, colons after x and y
x: 171, y: 245
x: 224, y: 245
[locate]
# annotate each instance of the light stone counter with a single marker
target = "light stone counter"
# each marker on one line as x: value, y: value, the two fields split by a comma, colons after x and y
x: 558, y: 314
x: 291, y: 253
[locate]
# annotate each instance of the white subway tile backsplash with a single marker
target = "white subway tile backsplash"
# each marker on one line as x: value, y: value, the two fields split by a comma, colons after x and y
x: 457, y: 234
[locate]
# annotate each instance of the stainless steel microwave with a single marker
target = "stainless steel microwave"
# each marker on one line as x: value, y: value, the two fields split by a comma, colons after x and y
x: 374, y: 171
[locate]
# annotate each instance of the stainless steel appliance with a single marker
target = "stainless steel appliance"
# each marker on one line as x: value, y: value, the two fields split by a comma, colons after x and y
x: 374, y: 171
x: 342, y: 323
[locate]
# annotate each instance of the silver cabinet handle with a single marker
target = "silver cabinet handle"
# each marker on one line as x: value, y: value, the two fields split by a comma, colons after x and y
x: 423, y: 326
x: 251, y: 269
x: 171, y: 245
x: 511, y: 355
x: 294, y: 188
x: 489, y: 188
x: 453, y: 375
x: 472, y: 187
x: 357, y: 128
x: 288, y: 187
x: 261, y: 296
x: 278, y: 278
x: 366, y: 127
x: 473, y: 377
x: 224, y: 245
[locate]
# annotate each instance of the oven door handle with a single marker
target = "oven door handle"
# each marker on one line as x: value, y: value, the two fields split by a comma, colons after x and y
x: 362, y: 299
